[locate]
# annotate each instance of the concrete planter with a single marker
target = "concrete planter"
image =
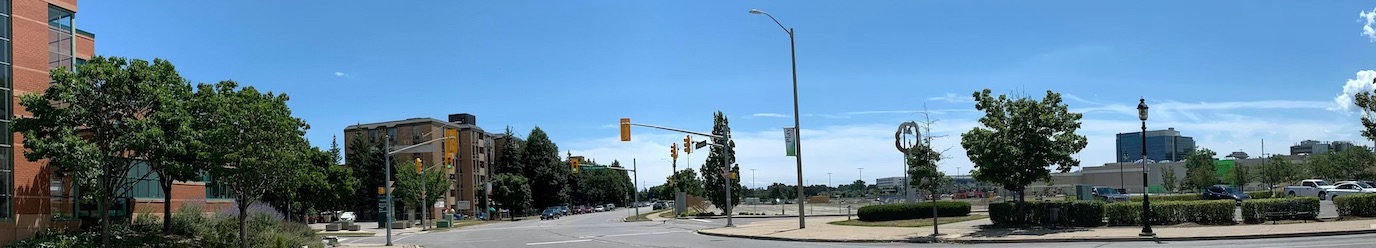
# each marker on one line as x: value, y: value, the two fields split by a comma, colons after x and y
x: 331, y: 227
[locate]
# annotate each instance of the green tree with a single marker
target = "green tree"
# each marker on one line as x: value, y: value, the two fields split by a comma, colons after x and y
x: 1241, y: 175
x: 549, y: 178
x: 511, y: 191
x: 510, y: 162
x: 781, y: 191
x: 715, y: 170
x: 173, y: 153
x: 858, y: 185
x: 90, y: 125
x: 365, y: 160
x: 1018, y: 139
x: 1168, y: 179
x: 1200, y: 169
x: 686, y: 181
x: 1277, y: 170
x: 1367, y: 102
x: 254, y: 135
x: 922, y: 167
x: 409, y: 188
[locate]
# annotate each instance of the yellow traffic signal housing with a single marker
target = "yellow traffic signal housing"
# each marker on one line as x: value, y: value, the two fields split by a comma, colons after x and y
x: 418, y: 166
x: 573, y: 163
x: 673, y: 150
x: 451, y: 142
x: 625, y: 129
x: 687, y: 144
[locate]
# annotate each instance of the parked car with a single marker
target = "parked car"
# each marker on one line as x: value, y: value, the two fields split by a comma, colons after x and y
x: 348, y: 216
x: 564, y: 210
x: 611, y: 207
x: 599, y: 209
x: 550, y: 214
x: 1347, y: 188
x: 1109, y: 194
x: 657, y: 206
x: 1311, y: 187
x: 1221, y: 191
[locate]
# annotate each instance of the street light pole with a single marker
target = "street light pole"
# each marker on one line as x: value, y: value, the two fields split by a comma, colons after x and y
x: 387, y: 163
x: 1146, y: 200
x: 797, y: 127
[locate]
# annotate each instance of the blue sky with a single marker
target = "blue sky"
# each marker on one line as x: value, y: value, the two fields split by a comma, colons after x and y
x: 1229, y: 73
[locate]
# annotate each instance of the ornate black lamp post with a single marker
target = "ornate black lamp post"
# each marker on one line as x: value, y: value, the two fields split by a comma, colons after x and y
x: 1146, y: 200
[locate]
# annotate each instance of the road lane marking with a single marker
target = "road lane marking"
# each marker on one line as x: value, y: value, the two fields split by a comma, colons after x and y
x: 631, y: 234
x: 700, y: 220
x: 560, y: 242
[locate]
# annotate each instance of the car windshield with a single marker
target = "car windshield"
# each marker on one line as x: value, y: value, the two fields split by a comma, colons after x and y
x: 1364, y: 185
x: 1319, y: 183
x: 1231, y: 190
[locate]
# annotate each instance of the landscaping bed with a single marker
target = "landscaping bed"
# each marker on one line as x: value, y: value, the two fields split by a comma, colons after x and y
x: 908, y: 222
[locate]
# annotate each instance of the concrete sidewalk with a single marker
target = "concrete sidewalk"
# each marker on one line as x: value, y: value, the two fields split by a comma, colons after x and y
x: 974, y: 232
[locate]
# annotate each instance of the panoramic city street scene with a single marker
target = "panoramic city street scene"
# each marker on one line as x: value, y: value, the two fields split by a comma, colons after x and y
x: 603, y: 123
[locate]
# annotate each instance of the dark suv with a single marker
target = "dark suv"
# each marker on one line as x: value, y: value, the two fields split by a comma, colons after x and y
x: 550, y: 214
x: 1222, y: 191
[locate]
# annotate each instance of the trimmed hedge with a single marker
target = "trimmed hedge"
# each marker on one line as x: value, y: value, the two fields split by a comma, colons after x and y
x: 1155, y: 198
x: 1077, y: 213
x: 1363, y: 205
x: 1254, y: 211
x: 1262, y: 194
x: 1172, y: 212
x: 907, y: 211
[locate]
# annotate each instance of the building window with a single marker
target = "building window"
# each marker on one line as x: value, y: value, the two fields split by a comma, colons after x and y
x: 392, y: 134
x: 60, y: 42
x: 372, y: 135
x: 6, y: 141
x: 415, y: 135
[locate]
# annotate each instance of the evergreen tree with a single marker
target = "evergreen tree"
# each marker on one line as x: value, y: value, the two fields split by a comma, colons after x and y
x: 715, y: 170
x: 511, y: 151
x: 548, y: 177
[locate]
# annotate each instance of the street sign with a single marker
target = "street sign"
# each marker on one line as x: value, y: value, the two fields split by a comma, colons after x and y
x: 791, y: 141
x: 463, y: 205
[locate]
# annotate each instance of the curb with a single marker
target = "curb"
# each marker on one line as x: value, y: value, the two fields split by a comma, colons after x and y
x: 1059, y: 240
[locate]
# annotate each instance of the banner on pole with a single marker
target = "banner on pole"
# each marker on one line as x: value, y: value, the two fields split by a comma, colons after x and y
x: 791, y: 141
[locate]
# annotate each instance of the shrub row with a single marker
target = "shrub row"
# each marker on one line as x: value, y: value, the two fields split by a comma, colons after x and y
x: 1155, y: 198
x: 1363, y: 205
x: 1077, y: 213
x: 1254, y: 211
x: 1262, y: 194
x: 906, y: 211
x: 1172, y: 212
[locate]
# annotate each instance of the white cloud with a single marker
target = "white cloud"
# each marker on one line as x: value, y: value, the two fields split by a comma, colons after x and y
x: 338, y: 74
x: 1370, y: 18
x: 776, y: 115
x: 951, y: 97
x: 1363, y: 83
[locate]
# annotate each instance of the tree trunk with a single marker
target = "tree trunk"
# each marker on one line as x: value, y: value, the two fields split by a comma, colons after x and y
x: 243, y: 224
x: 105, y: 221
x: 166, y: 204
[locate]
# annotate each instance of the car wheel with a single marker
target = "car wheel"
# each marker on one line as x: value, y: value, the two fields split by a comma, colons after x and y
x: 1323, y: 195
x: 1292, y: 194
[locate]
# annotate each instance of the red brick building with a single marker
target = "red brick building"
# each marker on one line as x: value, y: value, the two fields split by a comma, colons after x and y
x: 468, y: 177
x: 37, y: 36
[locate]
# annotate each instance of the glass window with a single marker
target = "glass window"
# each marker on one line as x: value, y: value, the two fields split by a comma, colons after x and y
x: 4, y: 49
x: 59, y: 18
x: 372, y: 135
x: 5, y: 27
x: 392, y: 134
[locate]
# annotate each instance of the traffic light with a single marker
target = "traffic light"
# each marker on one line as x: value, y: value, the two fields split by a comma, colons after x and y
x: 449, y: 161
x: 687, y: 139
x: 573, y: 163
x: 625, y: 129
x: 418, y: 166
x: 673, y: 150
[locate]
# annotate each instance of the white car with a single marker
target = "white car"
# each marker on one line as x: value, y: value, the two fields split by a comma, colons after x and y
x: 1311, y: 187
x: 599, y: 209
x: 349, y: 216
x: 1347, y: 188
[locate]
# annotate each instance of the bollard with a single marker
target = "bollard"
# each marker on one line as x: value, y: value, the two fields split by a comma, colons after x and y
x: 847, y: 212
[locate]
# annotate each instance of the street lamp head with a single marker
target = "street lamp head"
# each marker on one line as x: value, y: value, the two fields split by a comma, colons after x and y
x: 757, y: 11
x: 1142, y: 109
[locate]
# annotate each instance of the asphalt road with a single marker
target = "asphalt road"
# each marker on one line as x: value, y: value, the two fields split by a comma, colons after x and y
x: 606, y: 230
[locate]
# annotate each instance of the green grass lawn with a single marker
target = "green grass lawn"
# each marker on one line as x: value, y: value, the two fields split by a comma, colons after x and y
x: 644, y: 216
x: 908, y: 223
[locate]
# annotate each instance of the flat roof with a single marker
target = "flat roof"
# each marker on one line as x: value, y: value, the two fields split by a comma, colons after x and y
x: 413, y: 121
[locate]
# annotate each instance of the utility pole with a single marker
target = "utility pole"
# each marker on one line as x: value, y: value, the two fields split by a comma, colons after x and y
x: 387, y: 163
